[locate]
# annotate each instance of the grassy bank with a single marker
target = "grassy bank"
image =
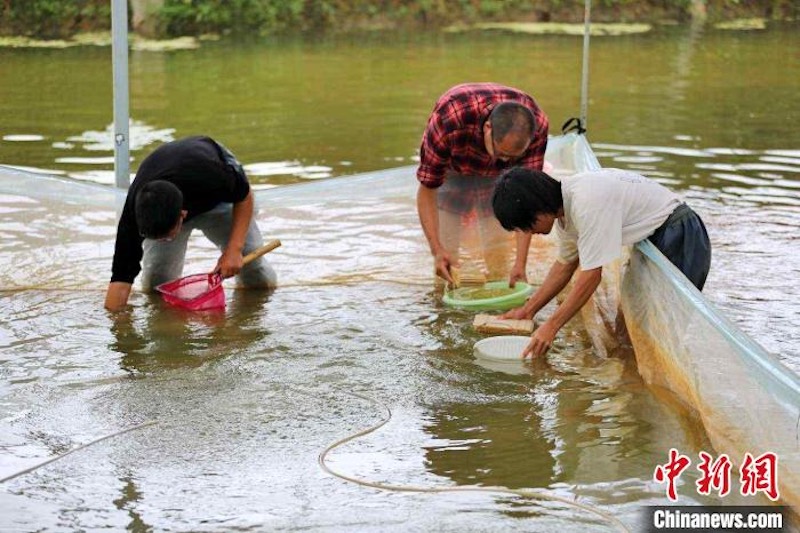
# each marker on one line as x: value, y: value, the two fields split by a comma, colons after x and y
x: 58, y: 19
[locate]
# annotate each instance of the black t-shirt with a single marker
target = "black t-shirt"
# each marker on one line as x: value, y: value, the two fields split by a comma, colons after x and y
x: 205, y: 172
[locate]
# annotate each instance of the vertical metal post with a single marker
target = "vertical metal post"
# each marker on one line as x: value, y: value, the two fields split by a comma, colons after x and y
x: 119, y: 52
x: 587, y: 15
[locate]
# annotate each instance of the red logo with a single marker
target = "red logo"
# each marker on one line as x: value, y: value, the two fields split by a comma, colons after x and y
x: 716, y: 474
x: 757, y: 474
x: 671, y: 471
x: 760, y: 475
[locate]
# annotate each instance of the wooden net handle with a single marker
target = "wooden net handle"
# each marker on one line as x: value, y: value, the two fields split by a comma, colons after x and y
x: 258, y: 252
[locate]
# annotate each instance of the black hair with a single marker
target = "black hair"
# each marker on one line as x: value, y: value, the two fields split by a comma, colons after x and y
x: 512, y: 118
x: 158, y: 208
x: 521, y: 195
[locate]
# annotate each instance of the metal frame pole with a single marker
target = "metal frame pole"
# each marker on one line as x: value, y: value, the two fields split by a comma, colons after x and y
x: 119, y: 52
x: 587, y: 15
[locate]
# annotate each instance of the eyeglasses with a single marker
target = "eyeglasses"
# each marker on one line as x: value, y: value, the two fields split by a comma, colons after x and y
x: 505, y: 156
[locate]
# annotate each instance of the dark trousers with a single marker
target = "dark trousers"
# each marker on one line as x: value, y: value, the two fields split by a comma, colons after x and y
x: 683, y: 239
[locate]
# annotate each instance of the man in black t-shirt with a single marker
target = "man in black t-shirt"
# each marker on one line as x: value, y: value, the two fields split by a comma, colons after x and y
x: 192, y: 183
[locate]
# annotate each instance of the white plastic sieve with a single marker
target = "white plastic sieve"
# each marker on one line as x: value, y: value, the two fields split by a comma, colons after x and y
x: 501, y: 347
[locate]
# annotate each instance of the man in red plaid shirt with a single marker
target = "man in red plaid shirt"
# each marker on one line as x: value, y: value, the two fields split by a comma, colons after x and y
x: 475, y: 132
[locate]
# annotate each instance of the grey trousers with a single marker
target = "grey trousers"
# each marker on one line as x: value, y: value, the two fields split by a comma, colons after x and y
x: 683, y: 239
x: 163, y: 260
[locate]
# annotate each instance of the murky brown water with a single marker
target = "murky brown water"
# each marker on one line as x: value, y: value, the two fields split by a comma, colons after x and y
x: 246, y: 400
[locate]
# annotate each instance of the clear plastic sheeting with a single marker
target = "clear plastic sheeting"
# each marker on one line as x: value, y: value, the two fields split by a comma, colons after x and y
x: 383, y: 184
x: 601, y: 317
x: 473, y: 236
x: 747, y: 400
x: 354, y: 312
x: 56, y: 189
x: 569, y: 154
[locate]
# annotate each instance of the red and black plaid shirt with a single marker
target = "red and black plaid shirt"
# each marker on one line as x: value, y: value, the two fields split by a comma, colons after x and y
x: 453, y: 138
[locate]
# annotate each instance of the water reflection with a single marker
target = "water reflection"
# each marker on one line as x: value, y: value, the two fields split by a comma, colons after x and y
x: 130, y: 496
x: 159, y: 336
x: 273, y: 170
x: 271, y: 100
x: 22, y: 138
x: 750, y: 199
x: 142, y: 135
x: 575, y: 421
x: 487, y: 444
x: 772, y: 178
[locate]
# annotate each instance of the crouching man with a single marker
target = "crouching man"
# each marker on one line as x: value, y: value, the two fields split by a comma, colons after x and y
x: 594, y: 215
x: 191, y: 183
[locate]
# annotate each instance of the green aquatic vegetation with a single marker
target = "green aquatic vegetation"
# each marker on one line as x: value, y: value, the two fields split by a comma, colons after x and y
x: 542, y: 28
x: 742, y: 24
x: 27, y: 42
x: 159, y: 45
x: 104, y: 39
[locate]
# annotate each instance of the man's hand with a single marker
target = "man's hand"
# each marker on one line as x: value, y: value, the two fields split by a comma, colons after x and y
x: 443, y: 262
x: 518, y: 313
x: 541, y: 340
x: 117, y: 295
x: 517, y: 274
x: 229, y: 263
x: 429, y: 219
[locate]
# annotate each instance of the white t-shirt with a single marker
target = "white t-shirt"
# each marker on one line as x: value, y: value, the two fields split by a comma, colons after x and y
x: 607, y: 209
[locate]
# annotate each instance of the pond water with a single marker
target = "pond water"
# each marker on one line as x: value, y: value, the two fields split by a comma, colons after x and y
x: 245, y: 401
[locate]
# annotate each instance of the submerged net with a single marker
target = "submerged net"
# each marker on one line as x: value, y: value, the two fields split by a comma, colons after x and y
x: 747, y: 400
x: 473, y: 236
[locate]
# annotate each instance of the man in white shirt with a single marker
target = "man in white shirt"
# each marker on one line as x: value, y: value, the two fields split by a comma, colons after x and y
x: 595, y: 214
